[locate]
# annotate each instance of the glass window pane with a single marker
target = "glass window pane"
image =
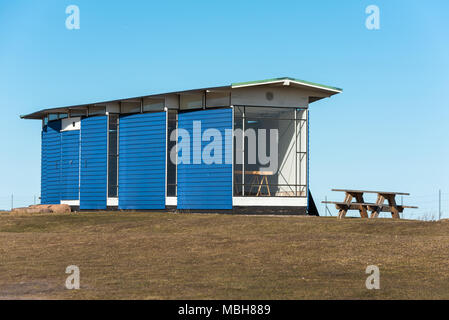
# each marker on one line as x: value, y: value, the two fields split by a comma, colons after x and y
x: 270, y: 113
x: 191, y: 101
x: 112, y: 156
x: 218, y: 99
x: 78, y: 112
x: 171, y: 165
x: 97, y: 110
x: 238, y: 154
x: 113, y: 107
x: 238, y: 111
x: 301, y: 147
x: 270, y: 166
x: 130, y: 107
x: 150, y: 104
x: 53, y: 116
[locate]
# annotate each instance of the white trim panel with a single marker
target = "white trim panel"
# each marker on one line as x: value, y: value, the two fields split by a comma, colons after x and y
x: 71, y: 202
x: 171, y: 201
x: 269, y: 201
x: 236, y: 201
x: 112, y: 202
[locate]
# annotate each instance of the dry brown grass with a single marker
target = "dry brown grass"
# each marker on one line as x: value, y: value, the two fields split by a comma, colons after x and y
x: 208, y: 256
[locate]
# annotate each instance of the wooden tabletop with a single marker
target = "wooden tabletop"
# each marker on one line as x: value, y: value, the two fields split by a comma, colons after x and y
x: 259, y: 173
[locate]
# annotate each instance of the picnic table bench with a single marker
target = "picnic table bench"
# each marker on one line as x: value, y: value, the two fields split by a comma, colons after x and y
x: 364, y: 207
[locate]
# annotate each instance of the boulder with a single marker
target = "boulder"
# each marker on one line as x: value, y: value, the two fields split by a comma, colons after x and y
x: 44, y: 208
x: 40, y: 206
x: 60, y: 208
x: 19, y: 210
x: 38, y: 210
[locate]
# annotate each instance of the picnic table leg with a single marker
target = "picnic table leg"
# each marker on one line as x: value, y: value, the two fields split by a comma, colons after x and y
x: 254, y: 181
x: 262, y: 180
x: 362, y: 209
x: 380, y: 201
x: 348, y: 198
x: 342, y: 211
x: 260, y: 187
x: 394, y: 207
x: 268, y: 187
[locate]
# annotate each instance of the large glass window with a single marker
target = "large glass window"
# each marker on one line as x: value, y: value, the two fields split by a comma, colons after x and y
x: 97, y: 110
x: 238, y: 152
x: 52, y: 116
x: 113, y: 155
x: 191, y: 101
x: 152, y: 104
x: 270, y: 152
x: 78, y: 112
x: 130, y: 107
x: 171, y: 147
x: 218, y: 99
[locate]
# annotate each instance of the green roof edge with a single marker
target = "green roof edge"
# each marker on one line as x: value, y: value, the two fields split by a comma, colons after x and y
x: 285, y: 78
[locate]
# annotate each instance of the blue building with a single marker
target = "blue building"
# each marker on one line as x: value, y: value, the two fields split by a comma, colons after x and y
x: 242, y: 146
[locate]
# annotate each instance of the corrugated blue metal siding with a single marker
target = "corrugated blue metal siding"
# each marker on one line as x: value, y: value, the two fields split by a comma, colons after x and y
x: 43, y: 169
x: 142, y: 157
x: 70, y: 146
x: 51, y: 157
x: 94, y: 159
x: 206, y: 186
x: 43, y: 198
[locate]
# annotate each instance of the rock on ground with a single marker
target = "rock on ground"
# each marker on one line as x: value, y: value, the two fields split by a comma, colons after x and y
x: 44, y: 208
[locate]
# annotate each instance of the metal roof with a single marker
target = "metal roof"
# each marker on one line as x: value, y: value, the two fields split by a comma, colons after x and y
x: 284, y: 81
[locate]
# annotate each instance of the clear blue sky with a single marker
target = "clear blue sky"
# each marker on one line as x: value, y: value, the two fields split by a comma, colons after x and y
x: 387, y: 130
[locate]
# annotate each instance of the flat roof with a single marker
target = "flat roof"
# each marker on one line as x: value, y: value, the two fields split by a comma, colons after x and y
x: 283, y: 81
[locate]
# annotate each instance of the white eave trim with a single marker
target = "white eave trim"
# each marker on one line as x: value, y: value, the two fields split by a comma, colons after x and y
x: 285, y: 83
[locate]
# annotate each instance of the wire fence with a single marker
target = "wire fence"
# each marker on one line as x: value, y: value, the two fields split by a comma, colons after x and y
x: 17, y: 201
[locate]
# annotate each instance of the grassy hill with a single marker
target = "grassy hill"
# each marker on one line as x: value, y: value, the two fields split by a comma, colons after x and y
x: 209, y: 256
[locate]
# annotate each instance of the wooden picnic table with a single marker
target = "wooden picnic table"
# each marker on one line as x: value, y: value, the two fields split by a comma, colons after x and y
x: 364, y: 207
